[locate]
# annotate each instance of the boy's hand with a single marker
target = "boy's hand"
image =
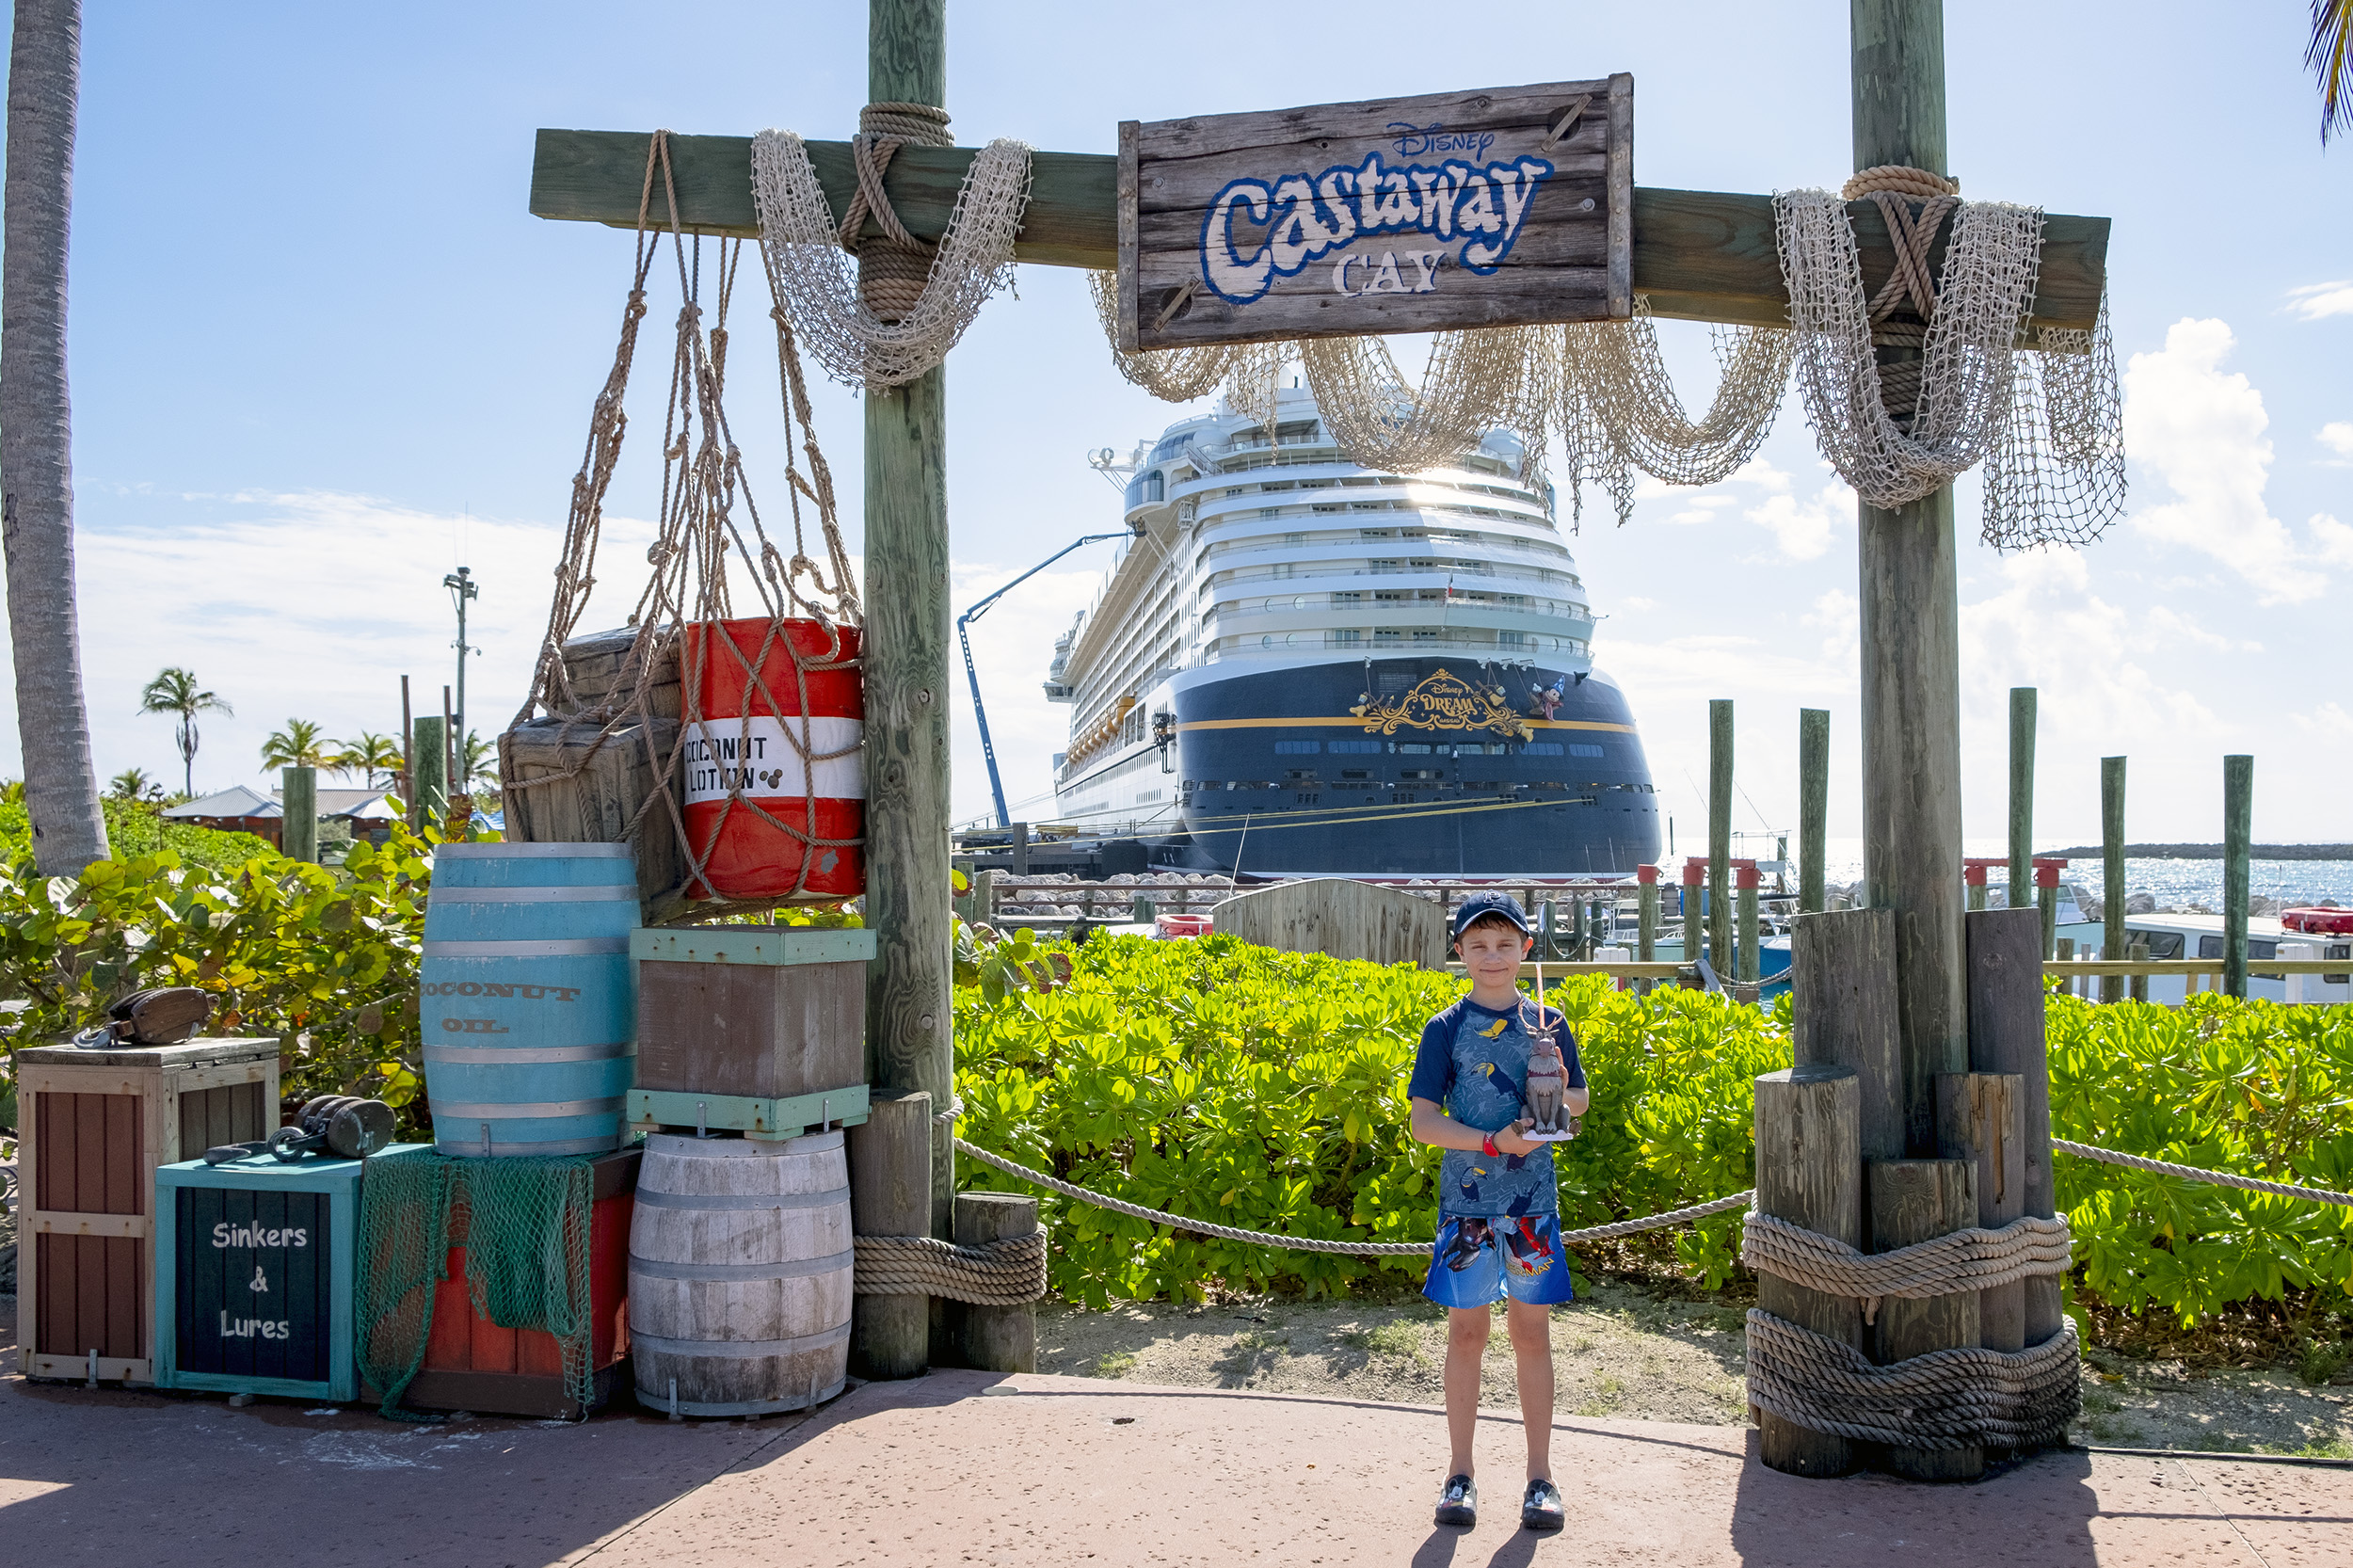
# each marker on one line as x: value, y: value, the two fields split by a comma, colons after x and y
x: 1510, y: 1141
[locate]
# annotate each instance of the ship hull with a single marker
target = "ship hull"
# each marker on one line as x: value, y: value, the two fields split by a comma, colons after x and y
x: 1409, y: 766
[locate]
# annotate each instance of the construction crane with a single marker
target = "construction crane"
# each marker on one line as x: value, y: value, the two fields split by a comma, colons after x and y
x: 980, y: 713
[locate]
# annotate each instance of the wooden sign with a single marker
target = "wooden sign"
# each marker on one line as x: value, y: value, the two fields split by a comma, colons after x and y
x: 1498, y: 207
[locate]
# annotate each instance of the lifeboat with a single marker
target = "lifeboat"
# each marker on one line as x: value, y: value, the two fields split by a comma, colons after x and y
x: 2318, y: 922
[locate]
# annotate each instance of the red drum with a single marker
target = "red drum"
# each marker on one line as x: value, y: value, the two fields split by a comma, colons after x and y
x: 778, y: 757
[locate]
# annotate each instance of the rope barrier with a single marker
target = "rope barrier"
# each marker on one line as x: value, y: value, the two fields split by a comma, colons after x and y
x: 1004, y: 1273
x: 2199, y: 1172
x: 1951, y: 1399
x: 1969, y: 1259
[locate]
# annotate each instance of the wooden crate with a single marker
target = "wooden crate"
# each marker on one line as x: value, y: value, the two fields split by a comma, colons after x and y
x: 95, y: 1124
x: 751, y: 1012
x: 473, y: 1364
x: 254, y: 1275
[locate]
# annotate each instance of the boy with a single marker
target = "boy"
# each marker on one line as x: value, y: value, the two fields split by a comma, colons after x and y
x: 1499, y: 1221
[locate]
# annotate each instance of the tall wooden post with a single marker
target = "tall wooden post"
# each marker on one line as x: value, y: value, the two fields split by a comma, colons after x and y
x: 1719, y: 835
x: 428, y: 765
x: 298, y: 813
x: 1910, y: 623
x: 1646, y: 917
x: 1914, y: 1201
x: 890, y: 1337
x: 1813, y: 806
x: 1750, y: 962
x: 2238, y: 831
x: 2112, y: 872
x: 905, y: 654
x: 2021, y: 720
x: 1809, y: 1171
x: 2005, y: 1036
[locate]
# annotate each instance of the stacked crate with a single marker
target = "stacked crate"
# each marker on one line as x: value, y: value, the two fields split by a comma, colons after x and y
x: 95, y: 1124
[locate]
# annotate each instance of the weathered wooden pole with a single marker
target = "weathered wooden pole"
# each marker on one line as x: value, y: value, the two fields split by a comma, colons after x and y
x: 1719, y: 835
x: 1646, y: 917
x: 996, y: 1339
x: 428, y: 765
x: 891, y: 1184
x: 1910, y: 623
x: 1813, y: 806
x: 1914, y: 1201
x: 407, y: 758
x: 909, y: 892
x: 2005, y: 1036
x: 2238, y: 829
x: 1980, y: 1118
x: 1842, y: 983
x: 2112, y: 872
x: 1809, y: 1171
x: 298, y: 813
x: 2021, y: 719
x: 2046, y: 892
x: 1751, y: 964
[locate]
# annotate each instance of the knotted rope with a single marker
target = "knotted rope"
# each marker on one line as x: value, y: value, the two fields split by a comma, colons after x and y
x: 2199, y: 1172
x: 1970, y: 1259
x: 1954, y: 1399
x: 1004, y: 1273
x: 894, y: 267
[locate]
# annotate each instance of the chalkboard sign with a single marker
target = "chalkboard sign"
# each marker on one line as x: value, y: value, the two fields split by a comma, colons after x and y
x: 1501, y: 206
x: 255, y: 1285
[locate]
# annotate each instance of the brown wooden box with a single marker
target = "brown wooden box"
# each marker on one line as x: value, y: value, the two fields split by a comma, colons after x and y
x: 94, y: 1126
x: 757, y: 1012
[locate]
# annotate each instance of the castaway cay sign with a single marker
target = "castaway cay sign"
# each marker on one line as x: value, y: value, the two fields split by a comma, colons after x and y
x: 1501, y: 206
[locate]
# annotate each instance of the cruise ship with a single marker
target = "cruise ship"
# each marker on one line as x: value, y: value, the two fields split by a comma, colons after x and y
x: 1302, y: 666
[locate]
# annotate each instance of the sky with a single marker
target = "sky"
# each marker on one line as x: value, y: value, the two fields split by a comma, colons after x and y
x: 322, y: 354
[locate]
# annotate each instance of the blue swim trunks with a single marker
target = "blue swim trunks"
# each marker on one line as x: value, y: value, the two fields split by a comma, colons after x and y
x: 1476, y: 1261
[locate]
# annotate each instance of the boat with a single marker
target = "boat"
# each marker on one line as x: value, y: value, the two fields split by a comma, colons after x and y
x: 2183, y: 935
x: 1300, y: 666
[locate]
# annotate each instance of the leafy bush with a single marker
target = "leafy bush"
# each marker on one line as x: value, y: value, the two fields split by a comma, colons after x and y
x: 2250, y: 1087
x: 327, y: 962
x: 135, y: 828
x: 1267, y: 1091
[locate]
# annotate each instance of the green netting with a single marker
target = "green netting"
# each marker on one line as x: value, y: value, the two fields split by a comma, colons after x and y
x: 524, y: 1225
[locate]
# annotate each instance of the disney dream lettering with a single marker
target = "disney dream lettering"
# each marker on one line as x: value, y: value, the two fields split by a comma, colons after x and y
x: 1306, y: 217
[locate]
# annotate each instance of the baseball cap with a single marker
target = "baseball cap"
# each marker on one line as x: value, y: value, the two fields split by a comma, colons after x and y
x: 1480, y: 905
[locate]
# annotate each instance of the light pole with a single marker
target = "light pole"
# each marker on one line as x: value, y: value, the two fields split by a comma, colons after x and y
x: 461, y: 587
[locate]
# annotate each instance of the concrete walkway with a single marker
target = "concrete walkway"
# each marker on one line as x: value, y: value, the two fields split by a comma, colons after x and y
x: 968, y: 1467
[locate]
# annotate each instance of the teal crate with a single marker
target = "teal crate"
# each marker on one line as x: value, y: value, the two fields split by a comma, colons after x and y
x: 254, y: 1265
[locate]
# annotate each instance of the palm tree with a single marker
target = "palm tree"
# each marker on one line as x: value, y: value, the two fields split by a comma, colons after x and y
x: 475, y: 762
x: 370, y: 754
x: 2331, y: 57
x: 36, y: 439
x: 175, y: 691
x: 134, y: 784
x: 300, y: 744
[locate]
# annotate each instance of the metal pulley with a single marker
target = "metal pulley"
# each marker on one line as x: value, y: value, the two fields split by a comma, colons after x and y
x: 343, y: 1126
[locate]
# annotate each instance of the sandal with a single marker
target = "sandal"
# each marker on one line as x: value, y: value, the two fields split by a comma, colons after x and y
x: 1541, y: 1510
x: 1458, y: 1504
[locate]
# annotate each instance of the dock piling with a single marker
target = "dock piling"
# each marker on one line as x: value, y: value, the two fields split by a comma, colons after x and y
x: 2112, y: 870
x: 2239, y: 825
x: 1813, y: 806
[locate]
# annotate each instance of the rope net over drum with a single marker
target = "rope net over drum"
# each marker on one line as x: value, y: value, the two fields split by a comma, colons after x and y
x: 709, y: 520
x: 1906, y: 388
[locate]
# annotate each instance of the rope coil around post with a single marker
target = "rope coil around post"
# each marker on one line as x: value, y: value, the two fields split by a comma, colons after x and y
x: 1006, y: 1272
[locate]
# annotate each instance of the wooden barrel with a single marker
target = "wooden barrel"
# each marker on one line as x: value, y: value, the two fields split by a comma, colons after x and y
x: 739, y: 1274
x: 528, y: 1003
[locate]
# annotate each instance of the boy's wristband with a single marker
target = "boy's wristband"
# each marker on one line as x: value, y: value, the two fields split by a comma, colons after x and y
x: 1489, y: 1147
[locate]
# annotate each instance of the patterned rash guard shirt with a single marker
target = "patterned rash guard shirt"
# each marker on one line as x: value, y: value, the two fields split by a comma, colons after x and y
x: 1473, y: 1062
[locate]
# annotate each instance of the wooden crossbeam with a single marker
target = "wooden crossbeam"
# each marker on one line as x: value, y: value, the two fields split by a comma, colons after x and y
x: 1699, y: 255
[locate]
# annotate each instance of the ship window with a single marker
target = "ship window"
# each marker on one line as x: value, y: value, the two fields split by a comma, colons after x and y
x: 1327, y: 506
x: 1356, y: 749
x: 1346, y: 638
x: 1355, y: 773
x: 2162, y: 944
x: 1295, y: 538
x: 1266, y: 642
x: 1411, y: 749
x: 1425, y: 636
x: 1291, y: 640
x: 1348, y: 596
x: 1380, y: 636
x: 1376, y: 533
x: 1420, y: 772
x: 1297, y: 748
x: 1585, y: 751
x: 1510, y: 639
x: 1542, y: 748
x: 1390, y: 596
x: 1300, y: 602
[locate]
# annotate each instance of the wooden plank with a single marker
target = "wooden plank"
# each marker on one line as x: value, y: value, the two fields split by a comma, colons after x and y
x: 2022, y: 725
x: 1842, y: 982
x: 1720, y: 739
x: 1813, y: 806
x: 2112, y: 872
x: 47, y: 1221
x: 1914, y: 1201
x: 1809, y: 1172
x: 1343, y: 918
x: 2238, y: 809
x: 1699, y: 255
x: 1980, y: 1118
x: 2006, y: 1035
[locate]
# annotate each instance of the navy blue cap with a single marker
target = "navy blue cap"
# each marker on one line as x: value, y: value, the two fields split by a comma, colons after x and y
x: 1480, y: 905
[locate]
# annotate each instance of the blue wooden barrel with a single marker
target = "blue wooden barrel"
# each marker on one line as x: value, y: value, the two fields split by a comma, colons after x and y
x: 529, y: 1004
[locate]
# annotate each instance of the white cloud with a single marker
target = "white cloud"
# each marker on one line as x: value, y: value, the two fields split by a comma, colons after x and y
x: 2329, y: 720
x: 2200, y: 430
x: 2337, y: 436
x: 2315, y: 300
x: 1802, y: 529
x: 2333, y: 541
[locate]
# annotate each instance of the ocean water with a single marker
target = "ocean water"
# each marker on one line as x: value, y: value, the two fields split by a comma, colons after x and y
x: 2177, y: 884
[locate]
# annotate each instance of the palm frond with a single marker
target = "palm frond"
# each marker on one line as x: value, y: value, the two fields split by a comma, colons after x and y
x: 2329, y: 56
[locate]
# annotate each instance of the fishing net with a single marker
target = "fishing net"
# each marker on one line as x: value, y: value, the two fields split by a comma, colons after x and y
x: 1477, y: 380
x: 881, y: 313
x: 524, y: 1225
x: 709, y: 520
x: 2056, y: 476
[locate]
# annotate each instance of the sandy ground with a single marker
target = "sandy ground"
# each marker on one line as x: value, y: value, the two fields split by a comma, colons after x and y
x: 1621, y: 1353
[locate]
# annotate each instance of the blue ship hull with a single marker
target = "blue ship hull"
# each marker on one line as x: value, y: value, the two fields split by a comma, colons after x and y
x: 1409, y: 766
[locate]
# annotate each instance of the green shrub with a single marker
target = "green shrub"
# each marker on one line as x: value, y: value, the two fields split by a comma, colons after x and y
x: 1267, y: 1091
x: 135, y: 828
